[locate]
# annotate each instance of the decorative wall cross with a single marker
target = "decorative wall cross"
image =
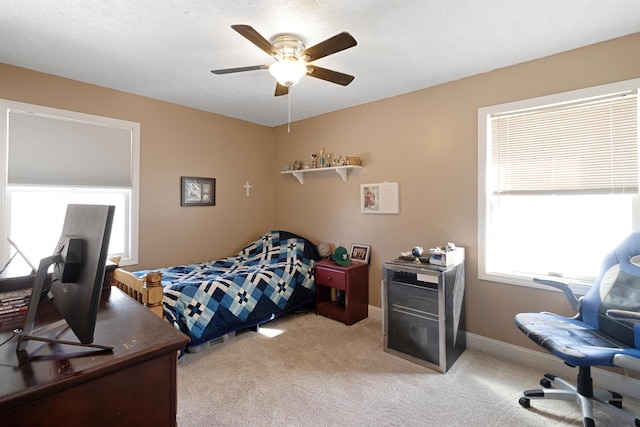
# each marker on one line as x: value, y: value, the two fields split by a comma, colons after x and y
x: 247, y: 187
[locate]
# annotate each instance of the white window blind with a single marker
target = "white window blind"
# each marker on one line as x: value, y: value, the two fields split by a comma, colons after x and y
x: 53, y: 157
x: 587, y: 147
x: 45, y: 150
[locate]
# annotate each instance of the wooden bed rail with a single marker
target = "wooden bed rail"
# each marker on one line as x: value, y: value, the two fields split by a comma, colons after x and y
x: 147, y: 291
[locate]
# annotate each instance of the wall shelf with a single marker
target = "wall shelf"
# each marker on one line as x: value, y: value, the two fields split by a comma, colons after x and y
x: 340, y: 170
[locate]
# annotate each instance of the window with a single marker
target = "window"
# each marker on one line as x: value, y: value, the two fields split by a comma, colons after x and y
x: 51, y: 158
x: 557, y: 183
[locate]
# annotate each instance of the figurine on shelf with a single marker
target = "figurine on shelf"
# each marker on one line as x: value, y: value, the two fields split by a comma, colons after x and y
x: 297, y: 165
x: 314, y: 157
x: 354, y: 161
x: 321, y: 157
x: 328, y: 160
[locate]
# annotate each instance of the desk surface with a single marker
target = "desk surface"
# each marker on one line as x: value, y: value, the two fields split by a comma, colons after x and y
x: 135, y: 333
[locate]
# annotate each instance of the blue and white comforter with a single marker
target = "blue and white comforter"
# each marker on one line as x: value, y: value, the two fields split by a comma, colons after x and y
x: 269, y: 277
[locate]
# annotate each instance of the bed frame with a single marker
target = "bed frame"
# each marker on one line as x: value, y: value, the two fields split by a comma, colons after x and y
x: 147, y: 290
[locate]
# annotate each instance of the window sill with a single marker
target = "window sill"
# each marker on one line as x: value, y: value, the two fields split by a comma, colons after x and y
x: 578, y: 287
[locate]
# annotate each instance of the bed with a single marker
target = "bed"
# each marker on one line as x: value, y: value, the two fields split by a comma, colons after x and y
x: 271, y: 276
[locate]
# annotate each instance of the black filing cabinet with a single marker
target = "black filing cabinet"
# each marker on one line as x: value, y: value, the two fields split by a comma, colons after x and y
x: 423, y: 312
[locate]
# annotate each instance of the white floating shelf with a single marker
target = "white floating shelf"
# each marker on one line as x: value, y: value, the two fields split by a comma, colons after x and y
x: 340, y: 170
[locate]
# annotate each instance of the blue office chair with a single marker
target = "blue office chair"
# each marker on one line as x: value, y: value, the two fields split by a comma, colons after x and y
x: 604, y: 332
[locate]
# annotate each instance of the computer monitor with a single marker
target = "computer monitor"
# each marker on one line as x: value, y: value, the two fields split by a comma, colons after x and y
x: 78, y: 261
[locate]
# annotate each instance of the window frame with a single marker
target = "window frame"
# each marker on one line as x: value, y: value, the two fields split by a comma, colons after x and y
x: 484, y: 160
x: 6, y: 106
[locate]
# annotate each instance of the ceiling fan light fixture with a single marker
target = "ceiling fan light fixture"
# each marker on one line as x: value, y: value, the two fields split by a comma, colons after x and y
x: 288, y: 71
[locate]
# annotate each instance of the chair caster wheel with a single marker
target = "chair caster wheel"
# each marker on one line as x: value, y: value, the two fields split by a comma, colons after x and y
x: 545, y: 383
x: 524, y: 402
x: 616, y: 403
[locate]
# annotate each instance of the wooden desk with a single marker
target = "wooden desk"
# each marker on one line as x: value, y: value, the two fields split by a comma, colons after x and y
x: 133, y: 385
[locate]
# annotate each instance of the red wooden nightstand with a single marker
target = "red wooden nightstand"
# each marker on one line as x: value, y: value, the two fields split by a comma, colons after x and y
x: 353, y: 280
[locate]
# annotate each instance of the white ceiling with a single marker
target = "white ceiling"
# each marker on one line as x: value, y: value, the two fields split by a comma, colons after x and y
x: 165, y: 49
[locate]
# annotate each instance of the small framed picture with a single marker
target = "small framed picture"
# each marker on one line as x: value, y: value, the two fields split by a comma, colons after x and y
x: 360, y: 253
x: 196, y: 191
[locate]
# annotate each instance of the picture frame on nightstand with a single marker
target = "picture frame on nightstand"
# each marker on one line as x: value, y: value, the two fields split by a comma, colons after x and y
x: 360, y: 253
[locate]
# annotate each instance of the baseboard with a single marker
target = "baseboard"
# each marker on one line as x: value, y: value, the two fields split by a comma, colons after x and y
x: 546, y: 363
x: 375, y: 312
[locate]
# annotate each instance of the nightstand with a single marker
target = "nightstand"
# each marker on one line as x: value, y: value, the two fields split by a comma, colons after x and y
x: 353, y: 281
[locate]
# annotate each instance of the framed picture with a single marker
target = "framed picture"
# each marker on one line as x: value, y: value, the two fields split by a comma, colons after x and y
x: 381, y: 198
x: 196, y: 191
x: 360, y: 253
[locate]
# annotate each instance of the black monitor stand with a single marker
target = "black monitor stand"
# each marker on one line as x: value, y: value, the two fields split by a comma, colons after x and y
x: 45, y: 333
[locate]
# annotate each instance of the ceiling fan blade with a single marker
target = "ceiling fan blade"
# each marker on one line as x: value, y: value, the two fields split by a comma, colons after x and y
x: 240, y: 69
x: 254, y: 37
x: 332, y: 45
x: 329, y: 75
x: 281, y: 90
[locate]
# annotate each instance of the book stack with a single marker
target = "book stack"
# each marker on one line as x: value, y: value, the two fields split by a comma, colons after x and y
x: 13, y: 306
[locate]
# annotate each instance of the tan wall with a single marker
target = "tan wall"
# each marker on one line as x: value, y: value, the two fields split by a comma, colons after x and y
x: 175, y: 141
x: 427, y: 141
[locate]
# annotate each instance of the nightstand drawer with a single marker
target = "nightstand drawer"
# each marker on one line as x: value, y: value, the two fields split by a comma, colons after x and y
x: 332, y: 278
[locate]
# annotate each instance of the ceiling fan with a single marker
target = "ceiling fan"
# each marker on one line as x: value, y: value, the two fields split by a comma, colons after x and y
x: 293, y: 59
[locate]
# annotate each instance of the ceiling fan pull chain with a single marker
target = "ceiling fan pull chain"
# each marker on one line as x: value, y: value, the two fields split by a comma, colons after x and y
x: 289, y: 107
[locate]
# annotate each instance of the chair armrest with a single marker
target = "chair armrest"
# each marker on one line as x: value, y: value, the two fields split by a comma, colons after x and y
x: 564, y: 287
x: 628, y: 316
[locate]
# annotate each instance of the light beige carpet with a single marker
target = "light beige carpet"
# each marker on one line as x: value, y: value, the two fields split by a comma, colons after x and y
x: 319, y: 372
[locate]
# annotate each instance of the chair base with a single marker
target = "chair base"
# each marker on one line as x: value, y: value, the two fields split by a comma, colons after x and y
x: 608, y: 401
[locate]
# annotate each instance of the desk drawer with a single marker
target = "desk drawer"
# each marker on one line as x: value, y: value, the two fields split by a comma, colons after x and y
x: 332, y: 278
